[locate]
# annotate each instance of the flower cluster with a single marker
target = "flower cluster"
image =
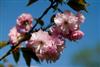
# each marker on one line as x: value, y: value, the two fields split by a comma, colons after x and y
x: 45, y: 46
x: 49, y: 45
x: 23, y: 25
x: 67, y: 25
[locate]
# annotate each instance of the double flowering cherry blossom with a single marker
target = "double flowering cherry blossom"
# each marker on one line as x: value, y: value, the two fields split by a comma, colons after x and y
x: 66, y: 25
x: 75, y: 35
x: 24, y: 23
x: 14, y: 36
x: 48, y: 46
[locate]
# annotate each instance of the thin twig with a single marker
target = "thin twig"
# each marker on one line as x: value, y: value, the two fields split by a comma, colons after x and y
x: 24, y: 38
x: 33, y: 28
x: 48, y: 26
x: 44, y: 13
x: 6, y: 54
x: 60, y: 10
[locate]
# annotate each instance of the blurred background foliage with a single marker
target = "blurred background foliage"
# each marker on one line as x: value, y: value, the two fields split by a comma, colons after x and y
x: 88, y: 57
x: 6, y: 63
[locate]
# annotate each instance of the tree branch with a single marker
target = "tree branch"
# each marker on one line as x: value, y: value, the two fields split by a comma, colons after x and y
x: 6, y: 54
x: 43, y: 14
x: 46, y: 11
x: 48, y: 26
x: 60, y: 10
x: 24, y: 38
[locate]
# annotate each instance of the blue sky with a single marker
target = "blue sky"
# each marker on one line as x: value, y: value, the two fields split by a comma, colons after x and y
x: 11, y: 9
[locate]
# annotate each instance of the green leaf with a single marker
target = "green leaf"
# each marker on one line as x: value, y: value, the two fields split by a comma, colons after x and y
x: 51, y: 0
x: 34, y: 57
x: 3, y: 44
x: 31, y: 2
x: 5, y: 60
x: 60, y: 1
x: 52, y: 18
x: 55, y: 7
x: 26, y: 56
x: 41, y: 22
x: 16, y: 54
x: 1, y: 65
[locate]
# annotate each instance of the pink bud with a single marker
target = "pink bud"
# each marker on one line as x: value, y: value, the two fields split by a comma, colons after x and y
x: 76, y: 35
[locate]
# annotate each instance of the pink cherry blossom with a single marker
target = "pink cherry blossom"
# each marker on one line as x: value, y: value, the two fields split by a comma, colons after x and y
x: 49, y: 53
x: 66, y: 23
x: 81, y: 18
x: 46, y: 47
x: 76, y: 35
x: 24, y: 22
x: 14, y: 36
x: 55, y: 30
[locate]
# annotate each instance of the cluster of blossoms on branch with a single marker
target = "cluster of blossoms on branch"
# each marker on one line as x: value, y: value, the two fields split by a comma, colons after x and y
x: 48, y: 45
x: 67, y: 25
x: 24, y: 24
